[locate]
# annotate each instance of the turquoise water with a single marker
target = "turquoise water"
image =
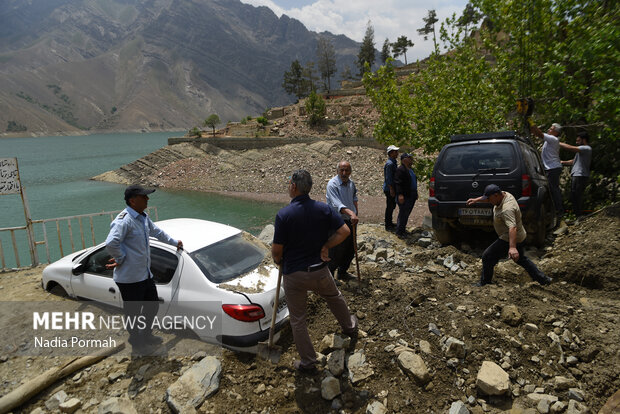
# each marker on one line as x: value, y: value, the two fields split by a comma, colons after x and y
x: 55, y: 173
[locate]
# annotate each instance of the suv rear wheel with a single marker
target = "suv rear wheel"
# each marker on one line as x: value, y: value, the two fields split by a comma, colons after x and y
x: 443, y: 232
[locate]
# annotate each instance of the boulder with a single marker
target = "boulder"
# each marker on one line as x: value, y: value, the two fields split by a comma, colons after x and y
x: 414, y: 366
x: 55, y: 400
x: 458, y: 407
x: 359, y: 369
x: 330, y: 388
x: 376, y: 407
x: 492, y: 379
x: 117, y: 406
x: 454, y: 348
x: 266, y: 235
x: 511, y: 315
x: 335, y: 362
x: 195, y: 385
x: 70, y: 406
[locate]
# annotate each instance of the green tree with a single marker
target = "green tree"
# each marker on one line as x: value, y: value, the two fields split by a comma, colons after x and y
x: 562, y: 53
x: 386, y: 51
x: 429, y: 27
x: 400, y: 47
x: 367, y: 50
x: 326, y: 60
x: 294, y: 82
x: 212, y: 121
x: 310, y: 77
x: 315, y: 109
x: 346, y: 73
x: 470, y: 16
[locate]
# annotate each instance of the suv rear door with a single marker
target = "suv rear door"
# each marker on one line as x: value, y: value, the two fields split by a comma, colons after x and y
x: 463, y: 170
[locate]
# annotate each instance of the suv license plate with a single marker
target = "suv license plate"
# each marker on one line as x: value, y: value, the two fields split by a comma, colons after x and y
x: 485, y: 212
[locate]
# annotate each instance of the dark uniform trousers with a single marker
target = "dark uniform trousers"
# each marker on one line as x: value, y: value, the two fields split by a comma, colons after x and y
x: 342, y: 254
x: 139, y: 299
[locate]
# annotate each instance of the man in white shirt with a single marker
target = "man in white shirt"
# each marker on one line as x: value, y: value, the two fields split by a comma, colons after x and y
x: 580, y: 171
x: 551, y: 161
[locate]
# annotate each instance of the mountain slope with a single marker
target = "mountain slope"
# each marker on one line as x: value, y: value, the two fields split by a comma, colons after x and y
x: 145, y: 64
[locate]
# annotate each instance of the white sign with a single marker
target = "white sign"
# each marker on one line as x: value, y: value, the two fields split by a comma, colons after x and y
x: 9, y: 176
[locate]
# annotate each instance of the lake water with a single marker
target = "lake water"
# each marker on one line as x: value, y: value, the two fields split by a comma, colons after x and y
x: 55, y: 173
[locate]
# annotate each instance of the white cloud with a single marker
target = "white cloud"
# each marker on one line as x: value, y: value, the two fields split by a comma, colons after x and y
x: 389, y: 18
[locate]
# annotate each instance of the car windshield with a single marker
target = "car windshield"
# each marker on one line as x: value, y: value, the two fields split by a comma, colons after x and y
x: 228, y: 258
x: 479, y: 159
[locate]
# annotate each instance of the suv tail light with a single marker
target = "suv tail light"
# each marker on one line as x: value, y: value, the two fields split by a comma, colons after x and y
x: 245, y: 313
x: 526, y: 186
x: 431, y: 187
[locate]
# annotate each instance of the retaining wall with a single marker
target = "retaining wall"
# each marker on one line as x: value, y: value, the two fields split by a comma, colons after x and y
x: 242, y: 143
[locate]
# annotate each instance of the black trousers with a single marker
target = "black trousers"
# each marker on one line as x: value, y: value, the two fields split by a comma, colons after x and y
x: 577, y: 188
x: 390, y: 205
x: 499, y: 250
x: 342, y: 254
x: 140, y: 304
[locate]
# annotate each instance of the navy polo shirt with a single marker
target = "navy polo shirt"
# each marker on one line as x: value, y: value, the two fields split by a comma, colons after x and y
x: 302, y: 228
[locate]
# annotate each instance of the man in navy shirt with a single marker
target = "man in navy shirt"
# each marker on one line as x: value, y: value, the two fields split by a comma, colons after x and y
x: 389, y: 169
x: 301, y: 246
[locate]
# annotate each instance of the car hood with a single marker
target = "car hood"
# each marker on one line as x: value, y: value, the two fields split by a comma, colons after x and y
x: 262, y: 279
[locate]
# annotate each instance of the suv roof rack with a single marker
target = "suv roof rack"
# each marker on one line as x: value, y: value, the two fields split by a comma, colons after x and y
x: 486, y: 135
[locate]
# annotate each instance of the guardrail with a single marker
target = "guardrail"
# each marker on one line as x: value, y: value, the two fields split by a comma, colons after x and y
x: 64, y: 235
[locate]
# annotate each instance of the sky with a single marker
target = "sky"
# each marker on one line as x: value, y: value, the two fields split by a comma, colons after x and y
x: 389, y: 18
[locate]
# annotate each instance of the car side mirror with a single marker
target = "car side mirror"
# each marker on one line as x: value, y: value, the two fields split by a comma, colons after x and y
x: 78, y: 269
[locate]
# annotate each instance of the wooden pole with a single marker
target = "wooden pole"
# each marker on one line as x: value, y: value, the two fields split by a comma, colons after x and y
x: 34, y: 255
x: 357, y: 262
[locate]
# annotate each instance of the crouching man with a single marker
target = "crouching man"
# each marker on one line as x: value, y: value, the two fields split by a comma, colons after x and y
x: 509, y: 227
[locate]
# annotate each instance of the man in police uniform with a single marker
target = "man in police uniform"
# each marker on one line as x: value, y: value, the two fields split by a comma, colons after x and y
x: 509, y: 227
x: 128, y: 244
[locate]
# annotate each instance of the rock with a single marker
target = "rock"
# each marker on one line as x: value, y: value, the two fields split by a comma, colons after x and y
x: 557, y: 407
x: 198, y: 356
x: 376, y: 407
x: 260, y: 389
x: 433, y: 329
x: 195, y: 385
x: 425, y: 347
x: 448, y: 261
x: 117, y: 406
x: 492, y: 379
x: 418, y: 299
x: 511, y: 315
x: 55, y: 400
x: 571, y: 361
x: 414, y: 366
x: 576, y: 394
x: 115, y: 375
x: 334, y: 341
x: 394, y: 333
x: 335, y: 362
x: 424, y: 241
x: 330, y: 388
x: 531, y: 327
x: 563, y: 383
x: 458, y: 407
x: 381, y: 253
x: 359, y: 370
x: 575, y: 407
x: 537, y: 397
x: 454, y: 348
x: 70, y: 406
x: 543, y: 406
x: 38, y: 410
x: 266, y: 235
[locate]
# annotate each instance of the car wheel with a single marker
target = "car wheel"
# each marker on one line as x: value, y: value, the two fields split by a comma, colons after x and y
x: 541, y: 228
x: 57, y: 290
x: 443, y: 231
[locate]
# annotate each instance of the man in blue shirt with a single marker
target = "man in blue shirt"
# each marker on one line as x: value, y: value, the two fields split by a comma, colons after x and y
x: 300, y: 245
x: 341, y: 195
x: 388, y: 186
x: 128, y: 244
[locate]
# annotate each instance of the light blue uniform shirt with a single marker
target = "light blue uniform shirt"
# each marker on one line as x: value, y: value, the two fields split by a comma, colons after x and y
x: 340, y: 195
x: 128, y: 243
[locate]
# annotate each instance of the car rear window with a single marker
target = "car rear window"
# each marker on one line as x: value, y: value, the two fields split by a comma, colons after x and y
x: 476, y: 158
x: 228, y: 258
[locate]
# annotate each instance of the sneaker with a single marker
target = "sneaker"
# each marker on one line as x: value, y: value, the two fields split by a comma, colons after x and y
x: 545, y: 281
x: 311, y: 370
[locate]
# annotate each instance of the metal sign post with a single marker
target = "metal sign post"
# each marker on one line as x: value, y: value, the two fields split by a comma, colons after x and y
x: 11, y: 184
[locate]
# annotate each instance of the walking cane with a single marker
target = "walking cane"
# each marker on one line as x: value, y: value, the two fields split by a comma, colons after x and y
x: 357, y: 262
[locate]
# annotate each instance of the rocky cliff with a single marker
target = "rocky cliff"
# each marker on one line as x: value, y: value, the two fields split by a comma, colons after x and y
x: 145, y: 64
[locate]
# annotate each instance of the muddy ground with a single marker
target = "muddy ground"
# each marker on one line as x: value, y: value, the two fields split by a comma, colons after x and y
x: 396, y: 302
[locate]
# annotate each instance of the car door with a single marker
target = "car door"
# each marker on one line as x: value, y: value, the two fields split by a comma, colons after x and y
x: 166, y: 267
x: 96, y: 282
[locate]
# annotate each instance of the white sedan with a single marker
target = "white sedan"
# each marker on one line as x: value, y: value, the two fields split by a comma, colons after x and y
x: 221, y: 271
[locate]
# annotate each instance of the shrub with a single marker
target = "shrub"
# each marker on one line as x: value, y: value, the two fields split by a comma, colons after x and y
x: 262, y: 120
x: 315, y: 109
